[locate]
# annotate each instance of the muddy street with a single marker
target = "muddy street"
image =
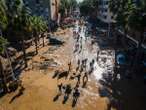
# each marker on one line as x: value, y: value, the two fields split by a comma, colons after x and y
x: 70, y: 76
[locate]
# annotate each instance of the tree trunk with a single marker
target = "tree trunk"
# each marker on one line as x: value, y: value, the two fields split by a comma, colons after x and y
x: 43, y: 36
x: 10, y: 63
x: 2, y: 76
x: 39, y: 39
x: 24, y: 52
x: 36, y: 45
x: 35, y: 35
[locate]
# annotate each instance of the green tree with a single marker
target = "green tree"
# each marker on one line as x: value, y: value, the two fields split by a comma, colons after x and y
x: 38, y: 26
x: 73, y: 5
x: 3, y: 43
x: 88, y: 6
x: 63, y: 7
x: 131, y: 16
x: 137, y: 21
x: 122, y: 10
x: 18, y: 22
x: 67, y: 6
x: 3, y: 15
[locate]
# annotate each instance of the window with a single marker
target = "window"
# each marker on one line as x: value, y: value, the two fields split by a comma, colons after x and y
x: 106, y: 2
x: 105, y: 10
x: 105, y: 16
x: 37, y: 1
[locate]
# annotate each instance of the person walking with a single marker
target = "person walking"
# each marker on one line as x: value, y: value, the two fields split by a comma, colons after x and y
x: 68, y: 90
x: 78, y: 79
x: 85, y: 79
x: 69, y: 66
x: 60, y: 88
x: 76, y: 95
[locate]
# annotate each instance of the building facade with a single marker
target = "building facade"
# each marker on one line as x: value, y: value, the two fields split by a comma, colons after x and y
x: 48, y: 9
x: 104, y: 13
x: 54, y: 9
x: 39, y: 7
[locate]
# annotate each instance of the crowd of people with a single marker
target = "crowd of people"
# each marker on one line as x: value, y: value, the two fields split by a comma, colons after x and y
x: 81, y: 74
x: 67, y: 89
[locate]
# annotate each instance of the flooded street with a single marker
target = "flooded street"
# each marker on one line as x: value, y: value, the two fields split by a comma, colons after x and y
x: 102, y: 65
x: 72, y: 54
x: 90, y: 71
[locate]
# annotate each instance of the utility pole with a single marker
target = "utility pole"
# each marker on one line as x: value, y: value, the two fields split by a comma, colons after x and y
x: 109, y: 23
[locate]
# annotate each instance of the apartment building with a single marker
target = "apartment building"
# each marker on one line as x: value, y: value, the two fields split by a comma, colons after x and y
x: 48, y: 9
x: 104, y: 13
x: 39, y: 7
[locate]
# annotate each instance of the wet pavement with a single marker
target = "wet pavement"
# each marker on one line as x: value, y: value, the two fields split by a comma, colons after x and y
x: 82, y: 78
x: 98, y: 63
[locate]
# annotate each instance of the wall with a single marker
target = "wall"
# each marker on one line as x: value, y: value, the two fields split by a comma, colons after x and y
x: 39, y: 7
x: 104, y: 13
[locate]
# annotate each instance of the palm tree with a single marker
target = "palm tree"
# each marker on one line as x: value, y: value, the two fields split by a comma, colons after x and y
x: 3, y: 15
x: 122, y: 10
x: 3, y: 42
x: 131, y: 15
x: 63, y: 7
x: 43, y: 30
x: 137, y: 21
x: 18, y: 21
x: 38, y: 26
x: 73, y: 5
x: 88, y: 6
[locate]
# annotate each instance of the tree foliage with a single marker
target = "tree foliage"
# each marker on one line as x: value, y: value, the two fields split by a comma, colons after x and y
x: 67, y: 5
x: 17, y: 23
x: 129, y: 14
x: 16, y: 18
x: 3, y: 16
x: 88, y: 6
x: 137, y: 17
x: 3, y: 43
x: 38, y: 24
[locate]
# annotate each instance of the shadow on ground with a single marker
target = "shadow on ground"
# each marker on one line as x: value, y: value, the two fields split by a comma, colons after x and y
x: 124, y: 93
x: 55, y: 41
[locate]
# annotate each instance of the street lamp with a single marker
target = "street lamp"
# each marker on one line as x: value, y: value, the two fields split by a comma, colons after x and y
x: 109, y: 23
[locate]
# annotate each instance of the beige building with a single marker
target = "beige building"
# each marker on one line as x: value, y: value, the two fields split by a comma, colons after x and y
x: 54, y: 8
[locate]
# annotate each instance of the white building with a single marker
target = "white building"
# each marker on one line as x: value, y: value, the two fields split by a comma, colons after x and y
x: 104, y: 13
